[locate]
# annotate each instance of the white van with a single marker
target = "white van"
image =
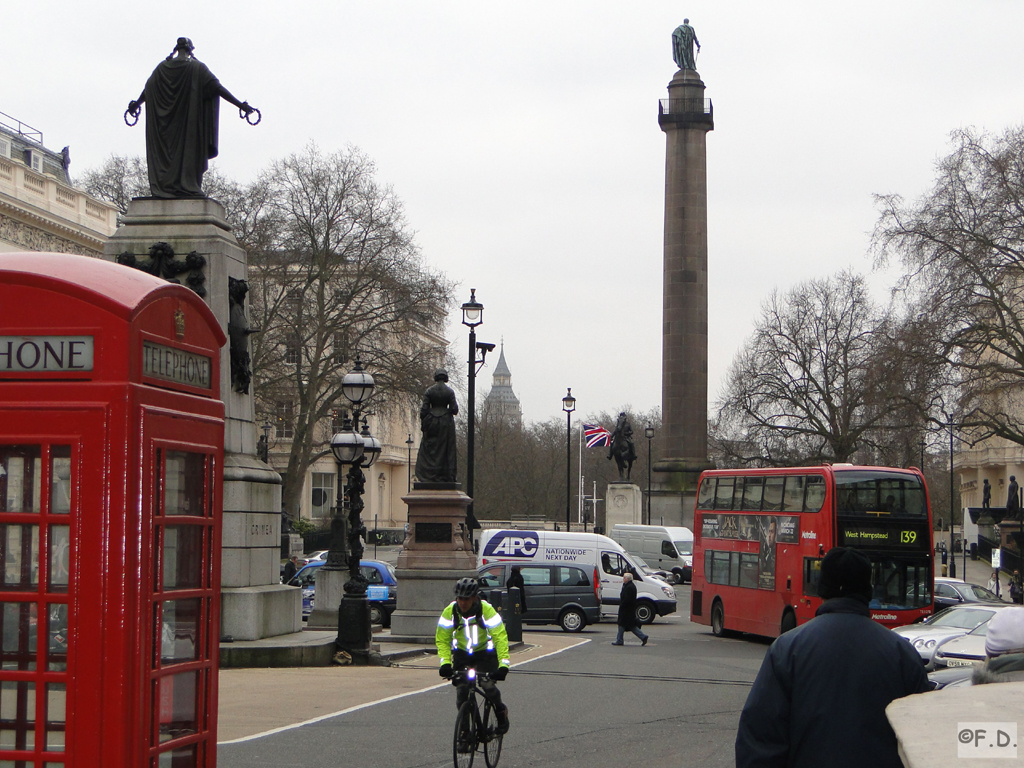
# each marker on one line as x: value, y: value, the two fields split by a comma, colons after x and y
x: 664, y: 548
x: 597, y: 555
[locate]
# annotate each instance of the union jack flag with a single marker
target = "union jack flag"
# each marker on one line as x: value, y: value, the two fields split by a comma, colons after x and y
x: 596, y: 435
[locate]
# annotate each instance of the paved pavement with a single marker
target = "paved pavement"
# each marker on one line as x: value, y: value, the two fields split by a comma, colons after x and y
x: 258, y: 701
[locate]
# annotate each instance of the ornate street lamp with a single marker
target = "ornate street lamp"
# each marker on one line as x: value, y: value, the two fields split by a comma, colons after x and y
x: 356, y: 450
x: 408, y: 448
x: 472, y: 316
x: 649, y: 434
x: 568, y: 405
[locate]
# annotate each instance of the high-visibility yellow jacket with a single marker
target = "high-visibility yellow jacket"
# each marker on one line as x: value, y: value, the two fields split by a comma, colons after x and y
x: 482, y: 632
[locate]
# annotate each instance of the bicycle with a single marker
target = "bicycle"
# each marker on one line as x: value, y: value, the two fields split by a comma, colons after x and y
x: 475, y: 731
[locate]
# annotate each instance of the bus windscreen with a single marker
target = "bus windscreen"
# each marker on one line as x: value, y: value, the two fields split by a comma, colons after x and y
x: 880, y: 495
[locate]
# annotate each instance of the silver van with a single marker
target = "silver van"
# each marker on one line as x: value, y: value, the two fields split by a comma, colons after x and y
x: 555, y: 594
x: 664, y: 548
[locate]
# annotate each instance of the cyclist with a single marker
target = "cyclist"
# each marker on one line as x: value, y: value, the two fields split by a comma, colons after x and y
x: 471, y: 634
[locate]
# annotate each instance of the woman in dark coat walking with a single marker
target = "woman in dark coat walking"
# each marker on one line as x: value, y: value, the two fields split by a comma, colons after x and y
x: 627, y: 611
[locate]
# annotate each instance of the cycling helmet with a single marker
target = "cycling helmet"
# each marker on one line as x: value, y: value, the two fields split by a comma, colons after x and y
x: 467, y: 587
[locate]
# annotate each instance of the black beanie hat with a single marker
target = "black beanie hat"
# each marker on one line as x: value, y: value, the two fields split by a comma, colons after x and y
x: 845, y: 572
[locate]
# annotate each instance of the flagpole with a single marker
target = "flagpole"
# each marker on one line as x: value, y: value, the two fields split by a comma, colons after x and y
x: 579, y: 491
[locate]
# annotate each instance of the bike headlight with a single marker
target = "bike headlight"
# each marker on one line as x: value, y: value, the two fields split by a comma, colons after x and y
x: 471, y: 674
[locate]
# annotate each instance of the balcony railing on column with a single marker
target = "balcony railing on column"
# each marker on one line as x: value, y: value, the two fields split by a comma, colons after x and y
x: 686, y: 111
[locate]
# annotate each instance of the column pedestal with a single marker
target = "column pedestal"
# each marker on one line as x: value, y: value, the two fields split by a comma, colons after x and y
x: 254, y: 604
x: 624, y: 505
x: 436, y: 553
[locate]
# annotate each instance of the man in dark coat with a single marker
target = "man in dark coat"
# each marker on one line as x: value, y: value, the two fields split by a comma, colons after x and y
x: 515, y: 579
x: 183, y: 102
x: 627, y: 611
x: 820, y: 696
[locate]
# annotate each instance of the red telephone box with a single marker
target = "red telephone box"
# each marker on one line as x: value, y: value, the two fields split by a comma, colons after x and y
x: 111, y: 445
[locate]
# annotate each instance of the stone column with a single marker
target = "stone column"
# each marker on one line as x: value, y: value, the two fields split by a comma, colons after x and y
x: 685, y: 118
x: 437, y: 552
x: 254, y: 604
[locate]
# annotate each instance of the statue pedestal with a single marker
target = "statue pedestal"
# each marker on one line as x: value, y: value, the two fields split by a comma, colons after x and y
x: 624, y: 505
x: 436, y: 553
x: 254, y: 604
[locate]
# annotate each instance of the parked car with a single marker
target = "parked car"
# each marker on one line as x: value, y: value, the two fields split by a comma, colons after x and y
x: 382, y: 592
x: 967, y: 650
x: 555, y: 594
x: 953, y: 622
x: 950, y: 677
x: 320, y: 554
x: 950, y: 592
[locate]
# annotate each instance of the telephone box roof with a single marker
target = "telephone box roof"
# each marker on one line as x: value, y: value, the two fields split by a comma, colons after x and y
x: 120, y: 290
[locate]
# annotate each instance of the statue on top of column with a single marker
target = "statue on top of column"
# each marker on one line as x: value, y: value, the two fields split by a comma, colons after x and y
x: 182, y: 115
x: 683, y: 40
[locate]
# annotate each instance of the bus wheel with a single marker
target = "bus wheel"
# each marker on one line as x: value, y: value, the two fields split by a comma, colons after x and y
x: 788, y: 622
x: 718, y: 619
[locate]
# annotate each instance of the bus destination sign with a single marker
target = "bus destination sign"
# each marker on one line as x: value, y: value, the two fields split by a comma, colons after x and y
x: 887, y: 536
x: 46, y: 354
x: 176, y: 365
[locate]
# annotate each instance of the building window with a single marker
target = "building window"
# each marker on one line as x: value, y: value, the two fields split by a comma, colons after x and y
x: 322, y: 495
x: 34, y: 159
x: 5, y: 147
x: 291, y: 350
x: 285, y: 418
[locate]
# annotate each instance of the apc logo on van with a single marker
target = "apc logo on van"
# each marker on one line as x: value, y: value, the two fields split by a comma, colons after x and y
x: 512, y: 544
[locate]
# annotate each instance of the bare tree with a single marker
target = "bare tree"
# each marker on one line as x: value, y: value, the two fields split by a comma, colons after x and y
x: 118, y: 180
x: 963, y: 247
x: 803, y: 387
x: 334, y: 277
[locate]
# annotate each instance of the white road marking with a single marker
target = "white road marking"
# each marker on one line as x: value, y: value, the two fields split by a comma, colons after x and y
x: 380, y: 701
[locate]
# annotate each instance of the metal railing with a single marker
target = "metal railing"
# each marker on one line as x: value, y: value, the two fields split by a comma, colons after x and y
x: 686, y: 107
x: 22, y: 129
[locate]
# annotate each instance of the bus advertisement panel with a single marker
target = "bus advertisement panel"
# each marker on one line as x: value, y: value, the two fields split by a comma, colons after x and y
x: 760, y: 536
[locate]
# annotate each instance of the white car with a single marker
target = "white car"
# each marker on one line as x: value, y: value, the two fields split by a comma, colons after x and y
x: 946, y: 625
x: 965, y: 650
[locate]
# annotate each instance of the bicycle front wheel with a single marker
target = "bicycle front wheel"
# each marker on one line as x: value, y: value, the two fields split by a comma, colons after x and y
x: 465, y: 739
x: 490, y: 737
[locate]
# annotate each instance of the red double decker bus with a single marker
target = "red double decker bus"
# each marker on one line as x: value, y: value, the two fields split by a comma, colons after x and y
x: 760, y: 535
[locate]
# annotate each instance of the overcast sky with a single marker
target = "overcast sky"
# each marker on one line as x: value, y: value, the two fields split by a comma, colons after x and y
x: 523, y: 138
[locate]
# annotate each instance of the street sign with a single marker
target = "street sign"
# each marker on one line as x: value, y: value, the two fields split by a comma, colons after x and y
x: 997, y: 557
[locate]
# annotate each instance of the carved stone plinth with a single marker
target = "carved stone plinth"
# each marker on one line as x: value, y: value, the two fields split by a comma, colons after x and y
x: 254, y: 604
x: 624, y: 505
x: 436, y: 553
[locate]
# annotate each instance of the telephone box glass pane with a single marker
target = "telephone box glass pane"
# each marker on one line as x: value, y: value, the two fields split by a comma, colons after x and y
x: 57, y: 653
x: 19, y: 482
x: 176, y: 704
x: 185, y: 757
x: 19, y: 554
x: 18, y: 632
x: 56, y: 699
x: 183, y: 556
x: 60, y: 557
x: 179, y: 635
x: 17, y: 714
x: 60, y: 479
x: 184, y: 481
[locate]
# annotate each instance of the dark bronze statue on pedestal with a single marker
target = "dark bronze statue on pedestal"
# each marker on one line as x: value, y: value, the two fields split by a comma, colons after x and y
x: 622, y: 449
x: 436, y: 462
x: 182, y: 117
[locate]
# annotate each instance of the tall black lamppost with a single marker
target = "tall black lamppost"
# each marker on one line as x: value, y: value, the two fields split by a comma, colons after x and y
x: 472, y: 316
x: 568, y: 405
x: 963, y: 539
x: 355, y: 450
x: 649, y: 434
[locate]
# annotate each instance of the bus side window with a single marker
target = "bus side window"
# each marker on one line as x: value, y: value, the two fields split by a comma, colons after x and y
x: 812, y: 574
x: 706, y: 495
x: 753, y: 492
x: 723, y: 496
x: 815, y: 494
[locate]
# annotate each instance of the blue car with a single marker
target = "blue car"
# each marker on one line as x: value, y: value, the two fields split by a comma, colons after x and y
x: 382, y: 592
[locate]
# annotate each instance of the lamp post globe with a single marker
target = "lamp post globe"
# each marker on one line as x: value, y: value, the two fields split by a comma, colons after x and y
x: 568, y: 405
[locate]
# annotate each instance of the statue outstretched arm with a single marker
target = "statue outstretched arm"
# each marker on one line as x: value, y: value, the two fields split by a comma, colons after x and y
x: 225, y: 94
